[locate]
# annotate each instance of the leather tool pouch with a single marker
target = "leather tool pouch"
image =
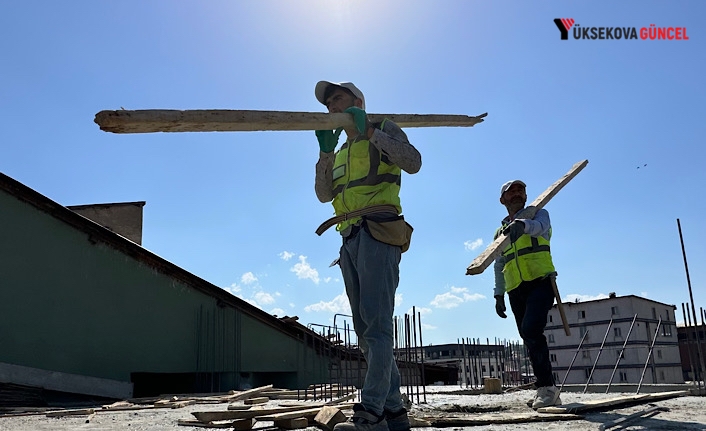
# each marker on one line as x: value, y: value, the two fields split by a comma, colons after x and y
x: 390, y: 229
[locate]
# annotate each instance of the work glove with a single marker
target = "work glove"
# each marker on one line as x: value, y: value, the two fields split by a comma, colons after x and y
x: 328, y: 139
x: 360, y: 118
x: 514, y: 230
x: 500, y: 306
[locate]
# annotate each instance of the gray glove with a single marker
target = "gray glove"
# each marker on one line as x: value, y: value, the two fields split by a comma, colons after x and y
x: 514, y: 230
x: 500, y: 306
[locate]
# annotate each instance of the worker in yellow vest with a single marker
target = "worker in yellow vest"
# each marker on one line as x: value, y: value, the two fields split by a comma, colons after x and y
x: 363, y: 180
x: 523, y: 270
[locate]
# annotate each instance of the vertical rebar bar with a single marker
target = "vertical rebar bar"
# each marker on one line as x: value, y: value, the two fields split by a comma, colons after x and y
x: 688, y: 348
x: 578, y: 348
x: 699, y: 348
x: 416, y: 357
x: 620, y: 355
x: 598, y: 355
x: 421, y: 343
x: 697, y: 371
x: 649, y: 354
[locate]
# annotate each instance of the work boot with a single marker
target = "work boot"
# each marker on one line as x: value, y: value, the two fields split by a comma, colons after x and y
x: 397, y: 421
x: 531, y: 400
x: 362, y: 420
x: 547, y: 396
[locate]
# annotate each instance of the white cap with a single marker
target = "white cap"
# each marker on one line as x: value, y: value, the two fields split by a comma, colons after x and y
x: 509, y: 184
x: 321, y: 87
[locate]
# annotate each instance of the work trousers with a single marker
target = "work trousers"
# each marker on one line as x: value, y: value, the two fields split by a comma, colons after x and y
x: 370, y: 271
x: 530, y: 303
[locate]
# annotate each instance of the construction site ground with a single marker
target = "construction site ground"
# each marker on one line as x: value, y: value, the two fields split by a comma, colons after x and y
x: 449, y: 407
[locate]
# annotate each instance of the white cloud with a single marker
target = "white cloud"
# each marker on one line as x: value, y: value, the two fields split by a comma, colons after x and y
x: 286, y: 255
x: 234, y: 289
x: 339, y: 304
x: 328, y: 279
x: 277, y: 312
x: 303, y: 270
x: 428, y: 327
x: 472, y: 245
x: 455, y: 297
x: 248, y: 278
x: 263, y: 298
x: 573, y: 297
x: 398, y: 299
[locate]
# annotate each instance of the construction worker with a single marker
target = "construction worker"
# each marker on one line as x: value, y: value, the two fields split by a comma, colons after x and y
x: 523, y: 270
x: 362, y: 179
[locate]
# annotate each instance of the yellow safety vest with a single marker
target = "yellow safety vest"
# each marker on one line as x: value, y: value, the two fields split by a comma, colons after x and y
x: 526, y: 259
x: 363, y: 176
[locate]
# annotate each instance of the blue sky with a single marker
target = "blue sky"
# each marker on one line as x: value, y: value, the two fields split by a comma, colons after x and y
x: 239, y: 209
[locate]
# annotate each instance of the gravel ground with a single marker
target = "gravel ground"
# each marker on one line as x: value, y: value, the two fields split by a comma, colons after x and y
x: 685, y: 413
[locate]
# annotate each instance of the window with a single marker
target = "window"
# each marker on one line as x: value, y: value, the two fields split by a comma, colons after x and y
x: 623, y: 377
x: 661, y: 375
x: 586, y: 354
x: 654, y: 313
x: 620, y: 354
x: 556, y: 376
x: 583, y: 331
x: 551, y: 319
x: 617, y: 332
x: 552, y: 357
x: 587, y: 373
x: 551, y: 338
x: 666, y: 314
x: 667, y: 330
x: 659, y: 354
x: 614, y: 311
x: 582, y: 314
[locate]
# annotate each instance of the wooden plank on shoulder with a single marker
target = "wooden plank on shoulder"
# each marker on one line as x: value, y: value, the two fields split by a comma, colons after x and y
x: 225, y: 120
x: 483, y: 260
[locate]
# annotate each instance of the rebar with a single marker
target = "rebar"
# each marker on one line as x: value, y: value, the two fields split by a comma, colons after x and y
x: 568, y: 370
x: 699, y: 349
x: 620, y: 355
x: 598, y: 356
x: 649, y: 354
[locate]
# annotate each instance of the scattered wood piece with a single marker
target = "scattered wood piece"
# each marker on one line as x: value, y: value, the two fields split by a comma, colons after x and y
x: 415, y: 422
x: 611, y: 402
x: 242, y: 424
x: 256, y: 400
x: 292, y: 424
x: 328, y: 417
x: 243, y: 414
x: 492, y: 386
x: 493, y: 418
x: 249, y: 393
x: 225, y: 120
x: 308, y: 413
x: 341, y: 399
x: 520, y: 388
x: 72, y: 412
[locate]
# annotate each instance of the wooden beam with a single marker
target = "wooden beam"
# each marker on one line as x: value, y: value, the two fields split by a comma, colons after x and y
x: 223, y: 120
x: 491, y: 252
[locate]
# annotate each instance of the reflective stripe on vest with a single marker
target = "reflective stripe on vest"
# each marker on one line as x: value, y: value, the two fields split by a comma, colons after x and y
x: 526, y: 259
x: 363, y: 176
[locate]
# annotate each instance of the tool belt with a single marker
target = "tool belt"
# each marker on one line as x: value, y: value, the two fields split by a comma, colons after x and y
x: 379, y: 223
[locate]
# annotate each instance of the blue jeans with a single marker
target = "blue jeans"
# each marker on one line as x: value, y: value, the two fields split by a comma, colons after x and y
x: 370, y: 271
x: 530, y: 303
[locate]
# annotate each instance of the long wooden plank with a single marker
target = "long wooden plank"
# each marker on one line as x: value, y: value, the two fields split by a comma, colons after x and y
x: 223, y: 120
x: 243, y: 414
x: 497, y: 418
x: 483, y: 260
x: 611, y: 402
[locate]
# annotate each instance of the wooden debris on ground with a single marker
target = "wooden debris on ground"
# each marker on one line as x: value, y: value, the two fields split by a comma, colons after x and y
x: 238, y: 425
x: 495, y: 418
x: 623, y: 401
x: 328, y: 417
x: 70, y: 412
